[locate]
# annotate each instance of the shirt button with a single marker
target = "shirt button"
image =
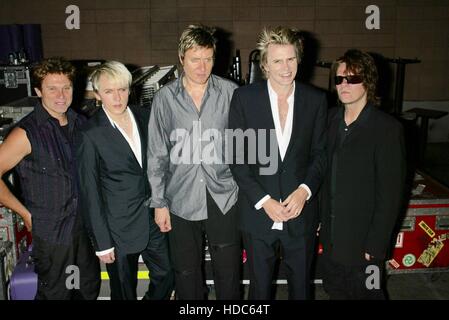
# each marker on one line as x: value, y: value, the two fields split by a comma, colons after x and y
x: 201, y: 180
x: 346, y: 129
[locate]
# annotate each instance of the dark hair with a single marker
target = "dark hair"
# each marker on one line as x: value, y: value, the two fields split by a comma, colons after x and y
x: 55, y: 65
x: 196, y: 36
x: 360, y: 63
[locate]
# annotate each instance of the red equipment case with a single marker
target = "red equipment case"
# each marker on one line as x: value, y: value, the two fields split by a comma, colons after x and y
x: 422, y: 243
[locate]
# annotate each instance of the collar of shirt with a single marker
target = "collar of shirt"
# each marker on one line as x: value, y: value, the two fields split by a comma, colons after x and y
x: 212, y: 84
x: 361, y: 119
x: 133, y: 142
x: 362, y: 116
x: 42, y: 116
x: 283, y: 137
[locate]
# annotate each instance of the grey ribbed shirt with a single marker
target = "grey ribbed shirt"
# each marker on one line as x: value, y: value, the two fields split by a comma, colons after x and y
x: 183, y: 159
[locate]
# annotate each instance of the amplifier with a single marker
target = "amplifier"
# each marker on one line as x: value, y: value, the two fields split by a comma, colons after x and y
x: 148, y: 80
x: 15, y: 83
x: 12, y: 112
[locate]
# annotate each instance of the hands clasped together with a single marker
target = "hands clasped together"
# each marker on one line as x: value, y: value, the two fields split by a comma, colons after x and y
x: 290, y: 208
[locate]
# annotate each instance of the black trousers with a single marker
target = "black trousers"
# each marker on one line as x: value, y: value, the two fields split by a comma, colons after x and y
x: 353, y: 282
x: 187, y: 252
x: 123, y: 272
x: 262, y: 255
x: 56, y: 276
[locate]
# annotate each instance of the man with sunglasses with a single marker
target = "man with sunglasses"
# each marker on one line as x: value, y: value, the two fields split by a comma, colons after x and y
x: 363, y: 189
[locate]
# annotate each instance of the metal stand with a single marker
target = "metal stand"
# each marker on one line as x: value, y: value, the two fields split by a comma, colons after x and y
x: 399, y: 86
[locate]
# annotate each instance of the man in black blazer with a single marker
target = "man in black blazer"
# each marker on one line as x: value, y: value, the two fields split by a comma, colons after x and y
x: 363, y: 188
x: 285, y: 122
x: 111, y: 154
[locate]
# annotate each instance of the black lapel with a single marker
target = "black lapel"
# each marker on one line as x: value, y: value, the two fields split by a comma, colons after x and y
x: 143, y: 132
x: 265, y: 107
x: 298, y: 116
x: 334, y: 123
x: 266, y: 112
x: 117, y: 137
x: 102, y: 119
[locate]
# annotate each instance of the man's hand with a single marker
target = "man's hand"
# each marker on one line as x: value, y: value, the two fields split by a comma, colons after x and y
x: 108, y: 257
x: 275, y: 210
x: 27, y: 221
x: 162, y: 219
x: 295, y: 203
x: 368, y: 257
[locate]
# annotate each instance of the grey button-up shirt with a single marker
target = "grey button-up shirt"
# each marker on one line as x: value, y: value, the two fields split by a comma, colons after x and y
x: 186, y: 152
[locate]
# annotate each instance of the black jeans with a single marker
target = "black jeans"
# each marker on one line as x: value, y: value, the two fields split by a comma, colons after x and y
x: 51, y: 265
x: 353, y: 282
x: 187, y: 252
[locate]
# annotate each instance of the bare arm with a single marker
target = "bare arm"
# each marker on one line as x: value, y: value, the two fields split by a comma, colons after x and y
x: 12, y: 151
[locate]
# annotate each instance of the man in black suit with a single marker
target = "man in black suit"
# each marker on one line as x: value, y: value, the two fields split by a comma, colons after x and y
x: 111, y: 154
x: 284, y: 121
x: 363, y: 188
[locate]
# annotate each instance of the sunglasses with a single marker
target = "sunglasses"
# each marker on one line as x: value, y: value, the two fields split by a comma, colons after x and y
x: 354, y: 79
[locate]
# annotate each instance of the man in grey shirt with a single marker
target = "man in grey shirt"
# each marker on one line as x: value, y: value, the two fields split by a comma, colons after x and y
x: 193, y: 191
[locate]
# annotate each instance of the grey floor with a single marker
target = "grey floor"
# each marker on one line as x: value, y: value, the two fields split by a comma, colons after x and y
x: 414, y: 286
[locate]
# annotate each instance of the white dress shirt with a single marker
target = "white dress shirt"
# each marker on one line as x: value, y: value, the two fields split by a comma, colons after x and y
x: 283, y: 137
x: 136, y: 147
